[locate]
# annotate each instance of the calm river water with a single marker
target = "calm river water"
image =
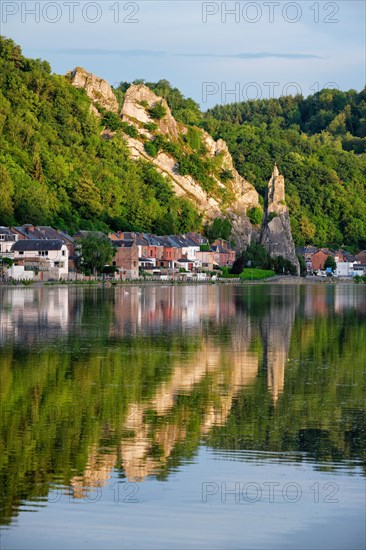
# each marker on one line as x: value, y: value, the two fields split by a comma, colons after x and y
x: 183, y: 417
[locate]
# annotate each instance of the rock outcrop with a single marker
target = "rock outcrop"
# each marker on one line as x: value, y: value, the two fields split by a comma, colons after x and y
x: 97, y: 89
x: 276, y: 234
x: 138, y: 99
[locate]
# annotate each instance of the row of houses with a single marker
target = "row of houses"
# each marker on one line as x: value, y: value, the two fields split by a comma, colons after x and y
x: 347, y: 264
x: 188, y: 252
x: 53, y: 254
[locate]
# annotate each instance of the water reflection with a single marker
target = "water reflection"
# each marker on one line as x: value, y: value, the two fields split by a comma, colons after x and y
x: 135, y: 379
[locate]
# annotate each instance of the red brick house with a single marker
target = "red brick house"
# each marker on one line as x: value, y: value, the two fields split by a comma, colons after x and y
x: 126, y: 259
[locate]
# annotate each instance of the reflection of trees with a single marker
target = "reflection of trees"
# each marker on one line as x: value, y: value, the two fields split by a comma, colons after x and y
x: 140, y: 385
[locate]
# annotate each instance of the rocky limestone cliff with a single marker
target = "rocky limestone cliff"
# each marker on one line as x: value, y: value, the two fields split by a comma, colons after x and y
x: 276, y: 234
x: 276, y: 231
x: 245, y: 196
x: 138, y: 99
x: 98, y: 90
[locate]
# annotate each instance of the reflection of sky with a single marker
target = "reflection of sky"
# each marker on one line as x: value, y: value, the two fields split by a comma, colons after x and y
x: 172, y: 515
x: 170, y: 40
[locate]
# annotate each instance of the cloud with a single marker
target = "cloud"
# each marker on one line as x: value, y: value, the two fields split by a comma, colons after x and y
x: 257, y: 55
x: 100, y: 51
x: 152, y: 53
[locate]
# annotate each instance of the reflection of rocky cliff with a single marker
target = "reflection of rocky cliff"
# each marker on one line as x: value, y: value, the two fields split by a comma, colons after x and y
x: 276, y: 328
x: 154, y: 427
x: 276, y: 231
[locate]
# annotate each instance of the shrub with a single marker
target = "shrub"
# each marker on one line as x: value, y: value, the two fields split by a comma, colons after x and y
x: 111, y: 121
x: 193, y: 138
x: 151, y: 126
x: 226, y: 175
x: 158, y: 111
x: 151, y: 149
x: 129, y: 129
x: 255, y: 215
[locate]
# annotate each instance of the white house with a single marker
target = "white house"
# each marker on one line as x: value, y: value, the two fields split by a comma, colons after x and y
x: 49, y: 257
x: 345, y: 269
x: 7, y: 239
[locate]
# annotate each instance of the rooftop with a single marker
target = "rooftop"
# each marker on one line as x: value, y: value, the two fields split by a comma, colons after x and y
x: 33, y: 245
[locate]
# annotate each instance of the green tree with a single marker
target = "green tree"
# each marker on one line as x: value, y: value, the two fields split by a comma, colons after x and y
x: 96, y: 252
x: 220, y: 228
x: 330, y: 262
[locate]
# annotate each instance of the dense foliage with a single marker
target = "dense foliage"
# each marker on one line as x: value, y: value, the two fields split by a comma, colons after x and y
x: 56, y: 169
x: 319, y: 144
x: 97, y: 252
x: 256, y: 256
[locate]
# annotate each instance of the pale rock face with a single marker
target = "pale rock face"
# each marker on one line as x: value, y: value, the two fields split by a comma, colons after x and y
x: 184, y: 186
x: 276, y: 233
x: 98, y: 90
x: 245, y: 194
x: 132, y: 109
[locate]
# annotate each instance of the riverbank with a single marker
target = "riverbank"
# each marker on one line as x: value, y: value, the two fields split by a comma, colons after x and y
x: 278, y: 280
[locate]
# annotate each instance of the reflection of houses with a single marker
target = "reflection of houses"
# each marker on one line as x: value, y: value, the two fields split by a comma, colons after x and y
x: 323, y: 300
x: 34, y: 314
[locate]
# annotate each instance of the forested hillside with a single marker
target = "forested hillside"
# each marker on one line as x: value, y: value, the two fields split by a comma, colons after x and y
x: 319, y: 144
x: 56, y: 168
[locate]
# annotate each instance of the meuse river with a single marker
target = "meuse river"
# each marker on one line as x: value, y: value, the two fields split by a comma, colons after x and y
x: 206, y: 416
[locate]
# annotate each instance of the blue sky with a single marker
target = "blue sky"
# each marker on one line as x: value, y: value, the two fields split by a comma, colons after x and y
x: 215, y: 52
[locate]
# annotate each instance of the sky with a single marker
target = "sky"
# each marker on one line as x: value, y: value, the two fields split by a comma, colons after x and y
x: 214, y: 52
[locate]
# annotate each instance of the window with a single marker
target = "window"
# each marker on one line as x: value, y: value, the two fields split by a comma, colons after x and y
x: 21, y: 252
x: 63, y: 252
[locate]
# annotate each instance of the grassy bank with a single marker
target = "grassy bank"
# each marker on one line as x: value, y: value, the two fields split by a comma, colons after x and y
x: 250, y: 274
